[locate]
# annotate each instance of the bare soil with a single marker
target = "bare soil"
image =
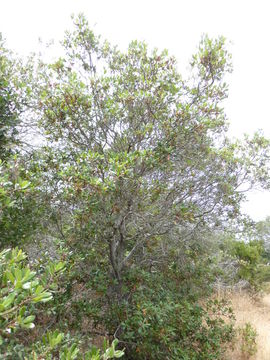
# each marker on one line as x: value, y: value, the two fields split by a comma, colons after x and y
x: 257, y: 313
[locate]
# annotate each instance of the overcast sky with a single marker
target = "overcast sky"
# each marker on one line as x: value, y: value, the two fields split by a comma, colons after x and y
x: 176, y: 25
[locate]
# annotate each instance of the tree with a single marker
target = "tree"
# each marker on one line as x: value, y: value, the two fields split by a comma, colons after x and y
x: 8, y: 108
x: 262, y: 232
x: 144, y: 151
x: 138, y: 171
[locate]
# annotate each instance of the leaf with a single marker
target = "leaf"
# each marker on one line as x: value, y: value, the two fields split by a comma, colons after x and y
x: 30, y: 284
x: 29, y: 326
x: 10, y: 276
x: 29, y: 319
x: 9, y: 300
x: 59, y: 266
x: 24, y: 184
x: 43, y: 297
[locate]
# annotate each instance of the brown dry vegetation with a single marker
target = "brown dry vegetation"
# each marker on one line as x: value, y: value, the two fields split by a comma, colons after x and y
x: 257, y: 313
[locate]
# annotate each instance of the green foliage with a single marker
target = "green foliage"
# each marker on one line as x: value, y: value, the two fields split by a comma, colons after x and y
x: 8, y: 110
x: 142, y: 152
x: 13, y: 94
x: 248, y: 340
x: 110, y: 352
x: 159, y: 322
x: 261, y: 232
x: 22, y: 289
x: 142, y: 174
x: 53, y: 347
x: 137, y: 174
x: 252, y: 265
x: 250, y: 252
x: 161, y: 312
x: 20, y: 212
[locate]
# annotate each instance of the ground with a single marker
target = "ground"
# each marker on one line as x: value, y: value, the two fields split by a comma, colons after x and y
x: 257, y: 313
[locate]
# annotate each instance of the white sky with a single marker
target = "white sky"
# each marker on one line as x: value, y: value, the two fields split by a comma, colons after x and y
x: 176, y: 25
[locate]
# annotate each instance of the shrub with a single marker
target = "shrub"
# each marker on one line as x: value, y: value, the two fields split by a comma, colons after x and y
x: 158, y: 321
x: 248, y: 338
x: 252, y: 265
x: 21, y: 290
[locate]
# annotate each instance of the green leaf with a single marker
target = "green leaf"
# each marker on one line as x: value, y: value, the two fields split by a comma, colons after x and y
x: 24, y: 184
x: 29, y: 319
x: 8, y: 300
x: 28, y: 326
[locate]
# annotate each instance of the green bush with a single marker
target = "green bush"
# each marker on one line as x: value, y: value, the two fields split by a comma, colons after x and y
x: 248, y: 338
x: 21, y: 292
x: 252, y: 264
x: 158, y: 321
x: 20, y: 210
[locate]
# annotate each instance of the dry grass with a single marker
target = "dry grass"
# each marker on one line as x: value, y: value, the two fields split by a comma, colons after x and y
x: 257, y: 313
